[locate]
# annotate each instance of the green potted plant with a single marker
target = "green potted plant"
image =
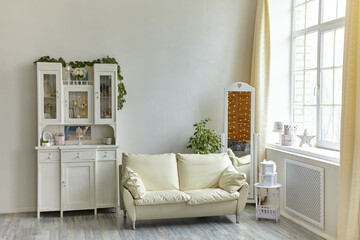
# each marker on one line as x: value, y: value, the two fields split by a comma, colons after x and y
x: 204, y: 140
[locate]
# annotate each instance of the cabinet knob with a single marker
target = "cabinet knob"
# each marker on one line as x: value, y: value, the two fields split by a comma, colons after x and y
x: 78, y: 155
x: 105, y: 154
x: 97, y: 96
x: 49, y: 156
x: 64, y: 183
x: 97, y: 92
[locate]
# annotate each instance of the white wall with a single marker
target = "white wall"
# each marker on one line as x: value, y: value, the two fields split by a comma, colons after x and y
x: 177, y: 56
x: 280, y: 65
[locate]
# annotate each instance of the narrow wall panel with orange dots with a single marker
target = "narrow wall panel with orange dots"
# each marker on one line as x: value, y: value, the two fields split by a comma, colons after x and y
x: 239, y: 116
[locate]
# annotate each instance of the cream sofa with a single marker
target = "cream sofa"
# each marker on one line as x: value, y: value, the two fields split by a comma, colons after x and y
x: 179, y: 186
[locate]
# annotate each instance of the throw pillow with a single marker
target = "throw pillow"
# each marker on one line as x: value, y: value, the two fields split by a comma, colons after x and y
x: 238, y: 161
x: 133, y: 183
x: 231, y: 180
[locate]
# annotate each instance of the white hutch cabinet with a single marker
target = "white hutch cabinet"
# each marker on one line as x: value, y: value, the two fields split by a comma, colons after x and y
x: 72, y: 176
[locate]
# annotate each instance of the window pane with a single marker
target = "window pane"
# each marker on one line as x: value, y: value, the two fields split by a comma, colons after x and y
x: 310, y: 120
x: 299, y: 53
x: 312, y: 13
x: 329, y: 10
x: 339, y: 47
x: 327, y: 123
x: 338, y: 86
x: 311, y: 50
x: 299, y: 117
x: 327, y: 55
x: 326, y: 86
x: 341, y: 8
x: 297, y: 2
x: 49, y: 96
x: 337, y: 123
x: 310, y: 84
x: 299, y: 88
x: 78, y: 104
x: 300, y: 17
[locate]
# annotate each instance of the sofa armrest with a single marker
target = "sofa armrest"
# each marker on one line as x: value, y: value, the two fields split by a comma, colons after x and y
x: 244, y: 190
x: 129, y: 204
x: 122, y: 206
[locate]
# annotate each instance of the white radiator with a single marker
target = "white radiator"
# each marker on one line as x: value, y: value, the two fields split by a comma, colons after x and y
x: 304, y: 191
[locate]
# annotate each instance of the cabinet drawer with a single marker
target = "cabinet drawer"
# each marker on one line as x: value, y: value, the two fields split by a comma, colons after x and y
x: 106, y: 155
x: 49, y: 156
x: 78, y: 155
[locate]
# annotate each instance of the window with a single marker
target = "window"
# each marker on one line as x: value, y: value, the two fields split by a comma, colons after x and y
x: 318, y: 45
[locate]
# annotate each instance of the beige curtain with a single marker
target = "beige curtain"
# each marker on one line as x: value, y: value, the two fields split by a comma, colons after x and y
x: 260, y: 72
x: 349, y: 194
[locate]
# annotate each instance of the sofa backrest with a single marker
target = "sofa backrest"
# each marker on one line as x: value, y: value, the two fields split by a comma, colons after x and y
x: 197, y: 171
x: 158, y: 172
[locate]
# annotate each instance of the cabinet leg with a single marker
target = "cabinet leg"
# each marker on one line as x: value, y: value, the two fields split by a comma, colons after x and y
x: 133, y: 225
x: 124, y: 213
x: 237, y: 218
x: 95, y: 211
x: 38, y: 214
x: 61, y: 213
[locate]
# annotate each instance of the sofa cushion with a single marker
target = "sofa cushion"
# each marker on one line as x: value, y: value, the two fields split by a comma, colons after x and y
x: 210, y: 195
x: 158, y: 172
x: 162, y: 197
x: 133, y: 183
x: 198, y: 171
x: 231, y: 180
x: 239, y: 161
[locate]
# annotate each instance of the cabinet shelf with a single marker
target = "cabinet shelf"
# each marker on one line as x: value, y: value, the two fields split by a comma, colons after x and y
x: 78, y: 82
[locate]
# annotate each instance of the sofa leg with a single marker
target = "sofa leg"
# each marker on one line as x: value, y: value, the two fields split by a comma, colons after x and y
x: 237, y: 218
x: 133, y: 225
x: 124, y: 211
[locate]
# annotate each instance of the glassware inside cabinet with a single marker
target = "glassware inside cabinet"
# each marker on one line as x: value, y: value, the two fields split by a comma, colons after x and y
x: 105, y: 97
x: 50, y: 95
x: 78, y: 105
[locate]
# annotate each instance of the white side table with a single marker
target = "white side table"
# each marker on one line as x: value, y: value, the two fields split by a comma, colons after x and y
x: 267, y: 211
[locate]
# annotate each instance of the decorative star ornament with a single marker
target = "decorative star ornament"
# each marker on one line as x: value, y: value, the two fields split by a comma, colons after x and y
x: 305, y: 138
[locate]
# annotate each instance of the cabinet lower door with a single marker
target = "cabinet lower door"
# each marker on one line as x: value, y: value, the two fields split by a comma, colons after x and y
x: 78, y: 186
x: 106, y: 184
x: 49, y: 186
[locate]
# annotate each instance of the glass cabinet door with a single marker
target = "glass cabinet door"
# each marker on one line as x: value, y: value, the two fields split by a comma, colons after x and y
x: 50, y: 102
x: 104, y: 97
x: 78, y: 104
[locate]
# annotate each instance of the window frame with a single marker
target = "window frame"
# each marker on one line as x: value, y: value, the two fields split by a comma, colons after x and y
x: 320, y: 28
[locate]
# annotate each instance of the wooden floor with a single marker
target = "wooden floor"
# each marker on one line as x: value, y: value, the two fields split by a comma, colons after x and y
x: 109, y: 225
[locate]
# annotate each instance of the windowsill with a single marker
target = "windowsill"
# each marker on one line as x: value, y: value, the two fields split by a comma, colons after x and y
x: 319, y: 154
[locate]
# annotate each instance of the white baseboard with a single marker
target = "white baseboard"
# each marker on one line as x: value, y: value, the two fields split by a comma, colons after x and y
x: 307, y: 226
x: 17, y: 210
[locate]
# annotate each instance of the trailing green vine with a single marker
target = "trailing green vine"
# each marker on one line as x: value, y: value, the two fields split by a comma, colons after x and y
x: 79, y: 64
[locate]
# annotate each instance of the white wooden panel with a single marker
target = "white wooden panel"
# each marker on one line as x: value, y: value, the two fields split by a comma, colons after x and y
x: 106, y: 184
x: 106, y: 155
x: 56, y: 69
x: 49, y: 156
x: 105, y: 70
x: 78, y: 186
x: 78, y: 155
x: 49, y: 186
x: 85, y: 88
